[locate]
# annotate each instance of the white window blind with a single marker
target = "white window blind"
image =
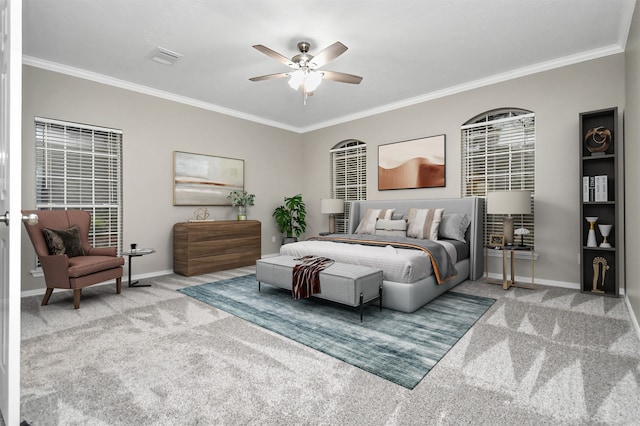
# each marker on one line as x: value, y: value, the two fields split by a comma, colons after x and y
x: 348, y: 176
x: 80, y: 167
x: 498, y: 153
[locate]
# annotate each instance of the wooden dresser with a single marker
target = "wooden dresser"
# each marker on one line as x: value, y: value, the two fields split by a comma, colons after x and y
x: 209, y: 246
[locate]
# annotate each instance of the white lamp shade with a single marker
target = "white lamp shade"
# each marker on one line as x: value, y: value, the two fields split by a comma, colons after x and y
x: 312, y: 81
x: 331, y: 206
x: 297, y: 78
x: 509, y: 202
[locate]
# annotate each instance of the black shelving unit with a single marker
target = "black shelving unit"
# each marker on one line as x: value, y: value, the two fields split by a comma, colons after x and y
x: 599, y: 265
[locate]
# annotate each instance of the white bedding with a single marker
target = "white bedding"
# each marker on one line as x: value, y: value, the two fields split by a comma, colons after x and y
x: 399, y: 265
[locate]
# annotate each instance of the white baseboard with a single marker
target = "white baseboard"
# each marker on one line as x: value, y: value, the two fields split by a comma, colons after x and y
x: 526, y: 280
x: 40, y: 291
x: 634, y: 319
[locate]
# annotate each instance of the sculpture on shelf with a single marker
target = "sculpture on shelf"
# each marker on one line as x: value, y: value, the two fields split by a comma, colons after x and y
x: 597, y: 262
x: 605, y: 230
x: 591, y: 238
x: 597, y: 140
x: 201, y: 214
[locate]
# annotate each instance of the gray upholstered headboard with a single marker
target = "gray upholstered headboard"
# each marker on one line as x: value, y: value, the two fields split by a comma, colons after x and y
x: 473, y: 206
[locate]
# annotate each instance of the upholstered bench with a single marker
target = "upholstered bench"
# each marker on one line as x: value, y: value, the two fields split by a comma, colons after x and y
x: 352, y: 285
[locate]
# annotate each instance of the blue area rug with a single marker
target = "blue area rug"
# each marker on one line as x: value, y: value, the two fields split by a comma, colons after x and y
x: 396, y: 346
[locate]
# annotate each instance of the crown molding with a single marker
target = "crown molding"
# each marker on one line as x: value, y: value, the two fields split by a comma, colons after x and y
x: 498, y: 78
x: 110, y: 81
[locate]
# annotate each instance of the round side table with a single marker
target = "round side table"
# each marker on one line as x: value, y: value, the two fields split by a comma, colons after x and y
x: 137, y: 253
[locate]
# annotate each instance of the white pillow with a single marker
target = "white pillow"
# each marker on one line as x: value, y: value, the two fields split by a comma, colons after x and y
x: 391, y: 228
x: 424, y: 223
x: 368, y: 223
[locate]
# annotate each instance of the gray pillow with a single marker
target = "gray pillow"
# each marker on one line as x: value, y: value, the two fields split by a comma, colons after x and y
x: 454, y: 226
x: 63, y: 241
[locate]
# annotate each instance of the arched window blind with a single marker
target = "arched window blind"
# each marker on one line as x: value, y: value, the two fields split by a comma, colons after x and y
x: 498, y: 153
x: 348, y: 176
x: 80, y: 167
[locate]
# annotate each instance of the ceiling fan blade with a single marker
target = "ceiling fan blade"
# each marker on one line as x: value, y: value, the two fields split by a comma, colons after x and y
x: 341, y: 77
x: 270, y: 76
x: 275, y: 55
x: 328, y: 54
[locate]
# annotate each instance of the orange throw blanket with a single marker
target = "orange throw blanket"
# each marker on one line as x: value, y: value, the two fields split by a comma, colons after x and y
x: 306, y: 276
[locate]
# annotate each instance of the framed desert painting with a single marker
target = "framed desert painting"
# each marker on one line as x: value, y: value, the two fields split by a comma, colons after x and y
x: 417, y: 163
x: 205, y: 180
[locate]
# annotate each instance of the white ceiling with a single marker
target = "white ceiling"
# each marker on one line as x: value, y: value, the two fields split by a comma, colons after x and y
x: 407, y: 51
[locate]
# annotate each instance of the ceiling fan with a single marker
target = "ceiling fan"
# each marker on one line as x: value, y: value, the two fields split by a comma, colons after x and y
x: 307, y: 75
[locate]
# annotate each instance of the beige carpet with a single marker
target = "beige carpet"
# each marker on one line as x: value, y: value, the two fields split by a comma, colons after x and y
x: 152, y: 356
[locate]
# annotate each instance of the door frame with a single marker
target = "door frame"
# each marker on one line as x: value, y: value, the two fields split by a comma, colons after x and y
x: 11, y: 289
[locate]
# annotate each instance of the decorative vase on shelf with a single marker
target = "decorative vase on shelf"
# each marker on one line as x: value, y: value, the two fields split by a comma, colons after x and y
x: 591, y: 238
x: 242, y: 212
x: 241, y: 199
x: 605, y: 230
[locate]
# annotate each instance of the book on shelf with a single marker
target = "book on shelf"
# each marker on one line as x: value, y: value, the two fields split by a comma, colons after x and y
x: 594, y: 188
x: 601, y: 188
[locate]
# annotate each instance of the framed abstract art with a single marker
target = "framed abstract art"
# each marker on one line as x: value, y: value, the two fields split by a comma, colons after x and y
x: 205, y: 180
x: 417, y: 163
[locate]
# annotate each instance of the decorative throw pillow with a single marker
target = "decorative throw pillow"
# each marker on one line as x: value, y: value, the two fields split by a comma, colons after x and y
x: 63, y: 241
x: 454, y: 226
x: 424, y: 223
x: 368, y: 223
x: 391, y: 228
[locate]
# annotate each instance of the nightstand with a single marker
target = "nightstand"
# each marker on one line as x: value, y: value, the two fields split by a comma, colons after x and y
x: 508, y: 252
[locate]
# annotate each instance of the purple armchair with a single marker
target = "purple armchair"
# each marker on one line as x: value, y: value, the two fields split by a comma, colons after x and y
x: 96, y: 265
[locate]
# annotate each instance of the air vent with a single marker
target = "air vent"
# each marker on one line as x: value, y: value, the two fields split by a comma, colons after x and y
x: 166, y: 57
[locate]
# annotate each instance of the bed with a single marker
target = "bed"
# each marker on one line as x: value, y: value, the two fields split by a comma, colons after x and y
x: 415, y: 270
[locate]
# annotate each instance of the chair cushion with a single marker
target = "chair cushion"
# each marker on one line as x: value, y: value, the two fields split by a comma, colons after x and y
x: 63, y: 241
x: 84, y: 265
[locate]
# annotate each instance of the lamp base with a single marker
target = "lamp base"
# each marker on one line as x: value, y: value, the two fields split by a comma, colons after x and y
x: 507, y: 230
x: 332, y: 223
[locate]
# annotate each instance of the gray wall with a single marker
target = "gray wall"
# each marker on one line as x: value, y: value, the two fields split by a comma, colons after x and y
x: 556, y: 97
x: 153, y: 128
x: 632, y: 158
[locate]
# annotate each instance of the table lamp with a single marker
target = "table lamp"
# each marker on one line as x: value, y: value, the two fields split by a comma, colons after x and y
x: 508, y: 203
x: 331, y: 206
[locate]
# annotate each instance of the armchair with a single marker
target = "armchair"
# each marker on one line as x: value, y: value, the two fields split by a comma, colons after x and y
x: 95, y: 265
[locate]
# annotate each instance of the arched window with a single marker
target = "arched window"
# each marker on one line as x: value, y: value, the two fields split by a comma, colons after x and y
x: 498, y: 153
x: 348, y: 176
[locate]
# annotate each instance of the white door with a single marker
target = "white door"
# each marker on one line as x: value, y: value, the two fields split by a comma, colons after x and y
x: 10, y: 181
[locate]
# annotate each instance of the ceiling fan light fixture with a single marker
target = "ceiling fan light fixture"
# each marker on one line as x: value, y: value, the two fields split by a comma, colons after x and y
x: 312, y: 81
x: 306, y: 74
x: 297, y: 79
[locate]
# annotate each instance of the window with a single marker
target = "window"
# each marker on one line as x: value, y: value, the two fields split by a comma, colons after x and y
x: 80, y: 167
x: 348, y: 176
x: 498, y: 153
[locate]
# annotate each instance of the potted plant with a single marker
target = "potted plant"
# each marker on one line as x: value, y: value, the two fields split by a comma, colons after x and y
x: 242, y: 199
x: 290, y: 218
